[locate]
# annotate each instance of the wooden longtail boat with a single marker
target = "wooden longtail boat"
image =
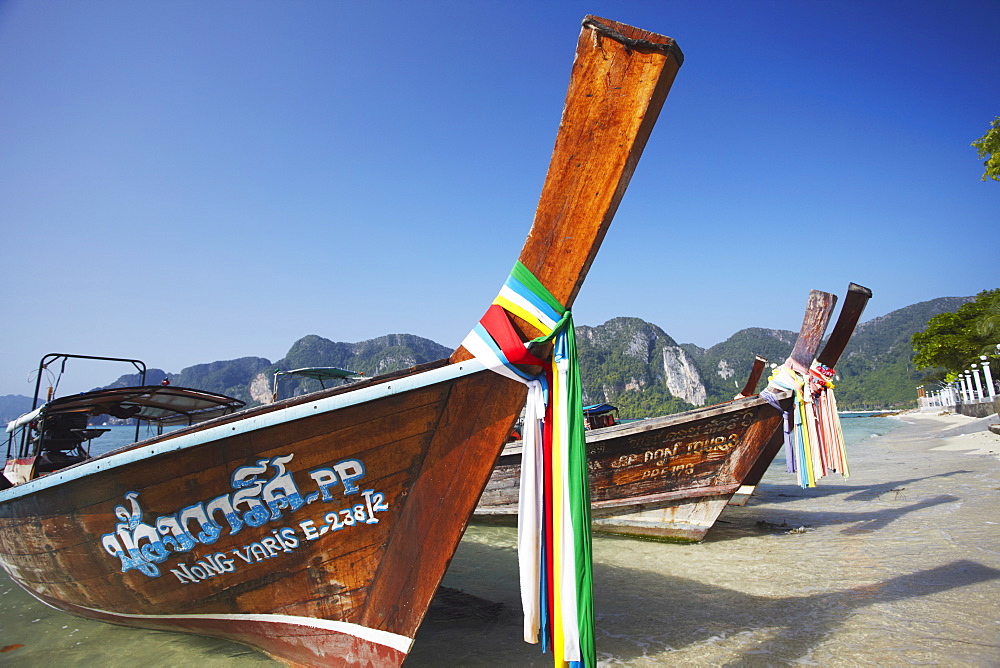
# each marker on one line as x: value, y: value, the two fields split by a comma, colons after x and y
x: 850, y: 314
x: 318, y: 528
x: 670, y: 477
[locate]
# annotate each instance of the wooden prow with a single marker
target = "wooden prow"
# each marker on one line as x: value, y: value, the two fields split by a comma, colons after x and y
x: 755, y: 373
x: 814, y: 323
x: 597, y: 148
x: 850, y: 313
x: 818, y: 311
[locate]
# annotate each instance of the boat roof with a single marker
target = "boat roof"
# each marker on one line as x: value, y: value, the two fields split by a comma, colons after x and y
x: 323, y: 373
x: 162, y: 404
x: 597, y: 409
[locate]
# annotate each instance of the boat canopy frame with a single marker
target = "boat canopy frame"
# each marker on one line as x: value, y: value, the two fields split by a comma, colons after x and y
x: 320, y: 373
x: 162, y: 405
x: 50, y: 358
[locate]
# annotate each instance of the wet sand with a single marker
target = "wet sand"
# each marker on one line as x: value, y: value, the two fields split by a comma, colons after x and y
x: 897, y: 565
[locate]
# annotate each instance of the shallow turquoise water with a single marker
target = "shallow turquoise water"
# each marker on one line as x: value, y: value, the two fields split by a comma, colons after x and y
x: 118, y: 436
x: 856, y: 430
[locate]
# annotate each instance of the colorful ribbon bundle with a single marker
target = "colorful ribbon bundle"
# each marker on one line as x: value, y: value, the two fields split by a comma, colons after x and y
x: 554, y: 548
x: 814, y: 442
x: 828, y: 420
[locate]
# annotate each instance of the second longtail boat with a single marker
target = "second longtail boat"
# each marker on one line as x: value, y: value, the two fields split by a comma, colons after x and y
x: 670, y: 477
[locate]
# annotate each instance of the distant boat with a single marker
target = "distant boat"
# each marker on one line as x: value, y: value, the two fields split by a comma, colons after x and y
x: 670, y: 477
x: 318, y: 528
x: 597, y: 416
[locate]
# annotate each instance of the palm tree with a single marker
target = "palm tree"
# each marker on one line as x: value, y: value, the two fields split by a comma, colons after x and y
x: 988, y: 327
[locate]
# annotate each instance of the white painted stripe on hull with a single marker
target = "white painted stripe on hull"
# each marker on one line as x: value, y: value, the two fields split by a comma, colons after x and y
x: 394, y: 641
x: 246, y: 425
x: 386, y: 638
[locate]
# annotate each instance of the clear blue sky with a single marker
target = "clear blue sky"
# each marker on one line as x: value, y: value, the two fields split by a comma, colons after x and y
x: 185, y: 182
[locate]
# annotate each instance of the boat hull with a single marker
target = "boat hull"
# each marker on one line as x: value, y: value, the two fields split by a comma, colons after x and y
x: 292, y: 640
x: 667, y: 477
x: 317, y: 531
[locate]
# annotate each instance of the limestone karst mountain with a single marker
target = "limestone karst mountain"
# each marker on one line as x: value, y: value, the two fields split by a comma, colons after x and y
x: 625, y: 361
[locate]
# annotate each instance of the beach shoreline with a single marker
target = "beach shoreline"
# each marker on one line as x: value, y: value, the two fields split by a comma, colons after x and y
x: 959, y: 433
x: 897, y: 564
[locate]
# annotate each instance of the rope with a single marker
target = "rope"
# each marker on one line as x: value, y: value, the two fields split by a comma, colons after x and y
x: 642, y: 45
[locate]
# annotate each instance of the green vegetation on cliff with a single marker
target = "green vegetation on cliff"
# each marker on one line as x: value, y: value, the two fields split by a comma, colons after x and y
x: 617, y: 358
x: 625, y: 362
x: 639, y: 368
x: 877, y: 368
x: 652, y: 402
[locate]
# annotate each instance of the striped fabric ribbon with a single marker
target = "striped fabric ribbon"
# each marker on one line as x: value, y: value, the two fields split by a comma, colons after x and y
x: 553, y: 533
x: 828, y: 419
x: 814, y: 441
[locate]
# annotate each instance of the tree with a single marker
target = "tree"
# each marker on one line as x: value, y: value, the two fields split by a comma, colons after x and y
x: 988, y: 326
x: 989, y: 148
x: 954, y: 340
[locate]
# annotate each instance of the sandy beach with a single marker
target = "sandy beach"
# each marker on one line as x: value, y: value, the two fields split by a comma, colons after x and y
x: 897, y: 565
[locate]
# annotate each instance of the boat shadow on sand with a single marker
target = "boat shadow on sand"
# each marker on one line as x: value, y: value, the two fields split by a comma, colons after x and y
x: 770, y: 520
x: 892, y: 490
x: 642, y: 614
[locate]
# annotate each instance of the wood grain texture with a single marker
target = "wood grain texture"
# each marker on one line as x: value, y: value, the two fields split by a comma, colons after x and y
x: 458, y: 461
x: 818, y: 310
x: 755, y: 373
x: 850, y: 313
x: 596, y: 152
x: 613, y: 100
x: 767, y: 455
